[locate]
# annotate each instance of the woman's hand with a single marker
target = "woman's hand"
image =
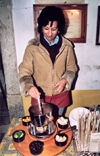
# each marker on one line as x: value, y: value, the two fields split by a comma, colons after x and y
x: 33, y: 92
x: 60, y: 86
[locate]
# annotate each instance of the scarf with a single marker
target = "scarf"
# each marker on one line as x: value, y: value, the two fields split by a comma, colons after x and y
x: 52, y: 50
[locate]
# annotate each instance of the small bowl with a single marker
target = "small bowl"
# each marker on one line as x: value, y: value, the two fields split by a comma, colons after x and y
x: 36, y: 147
x: 26, y: 120
x: 18, y: 136
x: 63, y: 126
x: 61, y: 143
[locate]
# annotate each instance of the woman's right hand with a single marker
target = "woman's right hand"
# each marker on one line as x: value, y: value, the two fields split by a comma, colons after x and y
x: 33, y: 92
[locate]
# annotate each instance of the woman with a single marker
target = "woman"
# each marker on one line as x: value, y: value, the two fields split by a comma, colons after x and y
x: 48, y: 67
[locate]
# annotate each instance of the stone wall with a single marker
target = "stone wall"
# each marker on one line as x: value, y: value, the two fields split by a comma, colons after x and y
x: 9, y: 59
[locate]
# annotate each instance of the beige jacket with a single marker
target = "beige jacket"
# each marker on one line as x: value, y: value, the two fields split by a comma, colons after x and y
x: 38, y: 65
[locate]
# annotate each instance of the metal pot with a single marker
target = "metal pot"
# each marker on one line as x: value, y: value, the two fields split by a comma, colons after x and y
x: 40, y: 119
x: 41, y: 126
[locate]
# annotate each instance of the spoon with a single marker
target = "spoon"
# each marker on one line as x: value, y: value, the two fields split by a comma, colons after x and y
x: 39, y: 104
x: 67, y: 130
x: 50, y: 117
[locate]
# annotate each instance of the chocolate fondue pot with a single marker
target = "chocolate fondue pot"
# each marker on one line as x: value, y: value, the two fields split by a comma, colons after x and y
x: 40, y: 125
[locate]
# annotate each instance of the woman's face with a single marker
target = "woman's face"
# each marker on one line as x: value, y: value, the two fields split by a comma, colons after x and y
x: 50, y: 32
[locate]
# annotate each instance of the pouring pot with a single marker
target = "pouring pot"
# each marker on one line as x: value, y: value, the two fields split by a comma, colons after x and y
x: 38, y: 118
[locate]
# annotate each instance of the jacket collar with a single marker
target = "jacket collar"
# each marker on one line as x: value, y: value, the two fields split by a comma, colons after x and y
x: 36, y: 41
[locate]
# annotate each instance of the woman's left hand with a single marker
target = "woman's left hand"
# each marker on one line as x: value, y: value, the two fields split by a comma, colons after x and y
x: 60, y: 86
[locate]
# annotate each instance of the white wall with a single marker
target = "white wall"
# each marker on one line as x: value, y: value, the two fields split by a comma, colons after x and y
x: 88, y: 54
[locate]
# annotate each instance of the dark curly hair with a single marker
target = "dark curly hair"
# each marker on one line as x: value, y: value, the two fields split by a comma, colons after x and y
x: 51, y: 13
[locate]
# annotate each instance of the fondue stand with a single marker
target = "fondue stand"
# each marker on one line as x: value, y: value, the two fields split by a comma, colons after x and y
x: 50, y: 148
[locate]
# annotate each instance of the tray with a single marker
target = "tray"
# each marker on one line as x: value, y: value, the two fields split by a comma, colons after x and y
x: 50, y: 148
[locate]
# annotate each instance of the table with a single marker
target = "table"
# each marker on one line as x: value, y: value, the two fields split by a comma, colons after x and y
x: 7, y: 148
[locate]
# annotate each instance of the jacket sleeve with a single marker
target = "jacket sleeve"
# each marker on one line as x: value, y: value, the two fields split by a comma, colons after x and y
x: 26, y: 72
x: 71, y: 68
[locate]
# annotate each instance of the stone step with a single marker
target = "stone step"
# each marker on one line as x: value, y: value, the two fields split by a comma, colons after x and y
x: 3, y: 128
x: 1, y: 136
x: 2, y: 80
